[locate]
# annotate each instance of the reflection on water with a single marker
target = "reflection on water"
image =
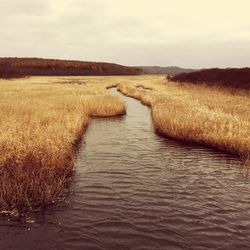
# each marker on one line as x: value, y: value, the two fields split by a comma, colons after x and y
x: 136, y: 190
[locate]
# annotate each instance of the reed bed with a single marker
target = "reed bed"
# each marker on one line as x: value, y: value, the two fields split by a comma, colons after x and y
x: 41, y: 122
x: 42, y: 119
x: 218, y: 118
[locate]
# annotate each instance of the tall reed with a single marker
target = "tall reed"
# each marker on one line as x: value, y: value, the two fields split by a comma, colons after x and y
x: 199, y: 114
x: 41, y: 121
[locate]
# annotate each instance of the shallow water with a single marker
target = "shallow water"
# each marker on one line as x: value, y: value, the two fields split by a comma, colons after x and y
x: 136, y: 190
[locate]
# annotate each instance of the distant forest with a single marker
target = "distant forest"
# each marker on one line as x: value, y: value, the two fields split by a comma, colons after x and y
x: 19, y: 67
x: 172, y: 70
x: 238, y: 78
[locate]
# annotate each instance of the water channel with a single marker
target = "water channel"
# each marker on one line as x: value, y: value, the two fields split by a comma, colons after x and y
x: 134, y: 189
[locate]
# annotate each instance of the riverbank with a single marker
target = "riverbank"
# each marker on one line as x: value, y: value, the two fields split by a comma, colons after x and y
x: 198, y: 114
x: 134, y: 189
x: 44, y: 118
x: 42, y: 121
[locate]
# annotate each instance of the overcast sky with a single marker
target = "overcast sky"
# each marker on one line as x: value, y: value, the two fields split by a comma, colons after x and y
x: 187, y: 33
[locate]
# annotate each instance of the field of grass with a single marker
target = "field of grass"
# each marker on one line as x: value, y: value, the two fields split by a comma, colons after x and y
x: 210, y: 116
x: 41, y: 121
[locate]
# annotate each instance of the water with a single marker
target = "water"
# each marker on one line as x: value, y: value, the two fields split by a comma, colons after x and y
x: 136, y: 190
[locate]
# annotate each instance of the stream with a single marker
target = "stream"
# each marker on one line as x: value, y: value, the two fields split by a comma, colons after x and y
x: 134, y: 189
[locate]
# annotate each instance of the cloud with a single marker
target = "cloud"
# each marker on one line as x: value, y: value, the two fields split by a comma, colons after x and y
x: 12, y: 8
x: 188, y: 33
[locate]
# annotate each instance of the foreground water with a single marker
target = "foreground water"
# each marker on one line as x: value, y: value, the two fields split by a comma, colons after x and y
x: 136, y: 190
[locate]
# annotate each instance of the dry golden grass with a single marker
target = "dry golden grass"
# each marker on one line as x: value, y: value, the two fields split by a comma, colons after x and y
x: 41, y: 121
x: 218, y: 118
x: 43, y: 118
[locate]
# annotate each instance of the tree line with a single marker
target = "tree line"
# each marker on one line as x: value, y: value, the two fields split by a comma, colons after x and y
x: 19, y: 67
x: 238, y: 78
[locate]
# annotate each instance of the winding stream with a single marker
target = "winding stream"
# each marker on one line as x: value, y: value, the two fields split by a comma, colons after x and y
x: 136, y: 190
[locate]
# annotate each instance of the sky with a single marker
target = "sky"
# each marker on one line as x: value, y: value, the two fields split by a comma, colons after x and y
x: 185, y: 33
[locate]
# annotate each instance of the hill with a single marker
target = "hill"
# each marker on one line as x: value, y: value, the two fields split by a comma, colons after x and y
x: 237, y: 78
x: 18, y: 67
x: 172, y: 70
